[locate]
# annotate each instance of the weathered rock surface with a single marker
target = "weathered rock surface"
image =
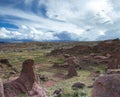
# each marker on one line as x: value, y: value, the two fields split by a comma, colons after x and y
x: 37, y: 91
x: 78, y: 85
x: 103, y: 47
x: 67, y: 61
x: 27, y: 82
x: 107, y: 86
x: 114, y: 63
x: 1, y: 89
x: 113, y: 71
x: 72, y: 71
x: 1, y: 66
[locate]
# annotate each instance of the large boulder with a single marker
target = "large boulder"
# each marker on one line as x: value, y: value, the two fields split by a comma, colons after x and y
x: 72, y: 71
x: 114, y: 62
x: 1, y: 89
x: 27, y: 82
x: 1, y: 66
x: 107, y: 86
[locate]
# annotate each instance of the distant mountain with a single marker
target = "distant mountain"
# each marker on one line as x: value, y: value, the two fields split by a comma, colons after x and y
x: 2, y: 42
x: 26, y: 40
x: 14, y: 40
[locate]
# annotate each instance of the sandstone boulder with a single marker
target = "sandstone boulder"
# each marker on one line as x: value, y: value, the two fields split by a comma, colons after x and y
x: 114, y: 62
x: 72, y: 71
x: 27, y: 82
x: 78, y: 85
x: 1, y: 89
x: 107, y: 86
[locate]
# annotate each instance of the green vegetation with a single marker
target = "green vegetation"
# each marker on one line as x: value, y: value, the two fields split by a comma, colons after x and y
x: 59, y: 61
x: 43, y: 66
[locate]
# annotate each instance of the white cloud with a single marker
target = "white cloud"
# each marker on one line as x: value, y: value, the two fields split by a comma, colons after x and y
x: 81, y: 19
x: 27, y: 33
x: 6, y: 34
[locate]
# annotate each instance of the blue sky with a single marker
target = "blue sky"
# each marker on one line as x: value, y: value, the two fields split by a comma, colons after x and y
x: 49, y: 20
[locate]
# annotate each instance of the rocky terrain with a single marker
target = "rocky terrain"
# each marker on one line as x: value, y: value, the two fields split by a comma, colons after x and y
x: 75, y: 69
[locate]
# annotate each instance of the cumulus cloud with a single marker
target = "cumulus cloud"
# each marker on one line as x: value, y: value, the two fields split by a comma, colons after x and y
x: 44, y: 20
x: 25, y: 32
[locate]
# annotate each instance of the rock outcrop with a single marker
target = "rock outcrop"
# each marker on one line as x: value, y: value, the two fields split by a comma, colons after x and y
x: 107, y: 86
x: 70, y: 60
x: 101, y: 48
x: 114, y: 63
x: 26, y: 83
x: 72, y: 71
x: 1, y: 89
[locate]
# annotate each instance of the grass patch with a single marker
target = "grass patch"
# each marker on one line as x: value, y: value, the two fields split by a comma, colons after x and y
x: 83, y: 76
x: 59, y: 61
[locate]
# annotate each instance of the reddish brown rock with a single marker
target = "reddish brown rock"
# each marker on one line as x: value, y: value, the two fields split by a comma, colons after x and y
x: 37, y: 91
x: 114, y: 62
x: 67, y: 61
x: 1, y: 66
x: 27, y: 82
x: 78, y: 85
x: 107, y: 86
x: 72, y: 71
x: 27, y: 75
x: 71, y: 62
x: 1, y: 89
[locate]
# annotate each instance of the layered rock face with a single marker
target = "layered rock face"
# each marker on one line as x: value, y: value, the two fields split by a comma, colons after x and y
x: 1, y: 89
x: 26, y: 83
x: 107, y: 86
x: 71, y: 69
x: 114, y: 63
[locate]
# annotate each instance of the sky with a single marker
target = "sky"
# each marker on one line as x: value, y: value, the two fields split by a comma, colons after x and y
x: 59, y: 20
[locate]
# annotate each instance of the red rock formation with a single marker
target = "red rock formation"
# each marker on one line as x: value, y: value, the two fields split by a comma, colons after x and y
x: 27, y: 75
x: 27, y: 82
x: 71, y: 62
x: 72, y: 71
x: 1, y: 66
x: 36, y: 91
x: 114, y: 62
x: 107, y: 86
x: 1, y: 89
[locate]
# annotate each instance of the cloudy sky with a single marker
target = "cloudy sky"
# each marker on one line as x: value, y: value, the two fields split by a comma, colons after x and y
x: 56, y: 20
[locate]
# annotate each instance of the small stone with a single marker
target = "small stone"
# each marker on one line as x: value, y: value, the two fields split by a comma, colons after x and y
x: 78, y: 85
